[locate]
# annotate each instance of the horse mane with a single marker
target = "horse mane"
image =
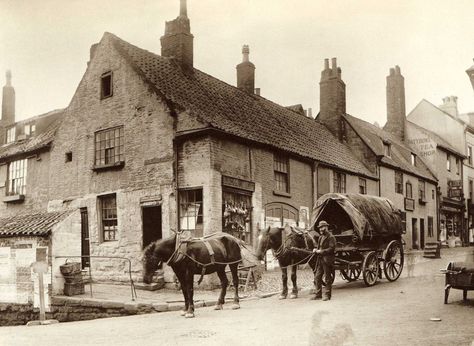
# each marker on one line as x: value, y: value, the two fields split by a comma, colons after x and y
x: 149, y: 251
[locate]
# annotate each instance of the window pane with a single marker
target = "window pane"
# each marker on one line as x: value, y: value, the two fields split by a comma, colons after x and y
x: 109, y: 146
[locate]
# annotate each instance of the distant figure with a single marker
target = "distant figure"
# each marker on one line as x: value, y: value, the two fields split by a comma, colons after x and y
x: 411, y: 260
x: 325, y: 261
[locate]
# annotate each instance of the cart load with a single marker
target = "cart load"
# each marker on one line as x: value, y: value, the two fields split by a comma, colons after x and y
x: 368, y: 231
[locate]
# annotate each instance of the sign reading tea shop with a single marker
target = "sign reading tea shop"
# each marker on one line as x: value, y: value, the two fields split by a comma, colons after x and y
x: 425, y: 145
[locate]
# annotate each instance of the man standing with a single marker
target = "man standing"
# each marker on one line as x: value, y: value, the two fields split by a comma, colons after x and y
x: 324, y: 262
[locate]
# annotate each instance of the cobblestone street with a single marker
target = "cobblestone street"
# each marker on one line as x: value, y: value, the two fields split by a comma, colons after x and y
x: 357, y: 315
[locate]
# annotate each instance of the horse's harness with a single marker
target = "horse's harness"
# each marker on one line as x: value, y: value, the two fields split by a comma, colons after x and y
x: 183, y: 239
x: 288, y: 234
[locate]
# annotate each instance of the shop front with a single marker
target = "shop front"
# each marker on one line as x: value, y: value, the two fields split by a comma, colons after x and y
x: 237, y: 207
x: 452, y: 230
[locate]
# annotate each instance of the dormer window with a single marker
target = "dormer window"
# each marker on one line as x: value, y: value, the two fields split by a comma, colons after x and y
x: 413, y: 159
x: 11, y: 134
x: 387, y: 149
x: 30, y: 129
x: 106, y: 89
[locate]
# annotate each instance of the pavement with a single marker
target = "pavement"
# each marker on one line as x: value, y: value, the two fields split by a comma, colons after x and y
x: 395, y: 313
x: 268, y: 285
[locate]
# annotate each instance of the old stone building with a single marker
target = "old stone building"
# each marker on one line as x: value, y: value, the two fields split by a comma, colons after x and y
x: 403, y: 177
x: 149, y: 144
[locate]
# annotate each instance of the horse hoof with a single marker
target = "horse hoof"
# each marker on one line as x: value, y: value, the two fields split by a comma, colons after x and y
x: 189, y: 315
x: 182, y: 313
x: 218, y: 307
x: 293, y: 296
x: 282, y: 296
x: 235, y: 306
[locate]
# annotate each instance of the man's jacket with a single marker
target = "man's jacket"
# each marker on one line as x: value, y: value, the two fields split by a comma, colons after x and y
x: 327, y: 245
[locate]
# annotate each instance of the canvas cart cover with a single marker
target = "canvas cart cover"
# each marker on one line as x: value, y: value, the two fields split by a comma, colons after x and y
x: 369, y: 215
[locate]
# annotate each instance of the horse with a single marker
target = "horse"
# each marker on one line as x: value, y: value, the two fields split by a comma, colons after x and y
x: 196, y: 256
x: 290, y: 247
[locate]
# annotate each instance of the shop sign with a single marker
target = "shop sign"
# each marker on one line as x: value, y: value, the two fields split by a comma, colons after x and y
x: 238, y: 183
x: 409, y: 204
x: 450, y: 209
x: 455, y: 193
x: 455, y: 183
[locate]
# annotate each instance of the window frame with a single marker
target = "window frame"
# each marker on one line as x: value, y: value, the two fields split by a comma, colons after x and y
x: 339, y: 182
x: 10, y: 136
x: 17, y: 172
x: 448, y: 162
x: 469, y: 153
x: 102, y: 138
x: 363, y: 185
x: 399, y: 183
x: 103, y: 77
x: 106, y: 213
x: 408, y: 190
x: 198, y: 216
x: 387, y: 150
x: 281, y: 173
x: 421, y: 190
x: 413, y: 159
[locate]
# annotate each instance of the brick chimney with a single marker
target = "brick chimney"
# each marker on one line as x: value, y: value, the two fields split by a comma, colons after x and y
x: 450, y: 105
x: 8, y: 102
x: 177, y: 42
x: 246, y: 72
x: 470, y: 73
x: 396, y: 112
x: 332, y: 97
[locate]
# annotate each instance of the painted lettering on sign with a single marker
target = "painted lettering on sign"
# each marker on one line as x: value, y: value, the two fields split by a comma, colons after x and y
x: 425, y: 146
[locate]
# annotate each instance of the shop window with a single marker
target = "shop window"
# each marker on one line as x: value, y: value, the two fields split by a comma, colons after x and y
x: 409, y: 190
x: 399, y: 182
x: 106, y: 89
x: 236, y: 212
x: 362, y: 186
x: 109, y: 149
x: 190, y: 211
x: 281, y: 173
x: 108, y: 213
x: 339, y: 182
x: 16, y: 184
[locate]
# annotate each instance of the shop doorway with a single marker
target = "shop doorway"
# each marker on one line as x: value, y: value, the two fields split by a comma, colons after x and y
x: 85, y: 247
x: 414, y: 234
x: 152, y: 230
x: 422, y: 234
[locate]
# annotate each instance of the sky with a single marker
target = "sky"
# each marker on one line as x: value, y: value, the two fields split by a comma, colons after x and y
x: 45, y: 43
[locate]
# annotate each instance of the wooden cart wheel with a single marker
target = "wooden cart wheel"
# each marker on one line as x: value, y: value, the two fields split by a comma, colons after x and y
x: 350, y: 274
x: 370, y: 268
x: 393, y: 260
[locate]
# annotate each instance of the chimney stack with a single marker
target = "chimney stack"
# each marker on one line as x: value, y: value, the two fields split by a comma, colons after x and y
x: 177, y: 42
x: 246, y: 72
x: 396, y: 112
x: 450, y: 105
x: 332, y: 97
x: 8, y: 101
x: 470, y: 73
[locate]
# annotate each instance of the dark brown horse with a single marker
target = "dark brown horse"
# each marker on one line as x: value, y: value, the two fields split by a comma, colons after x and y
x: 285, y: 243
x: 188, y: 258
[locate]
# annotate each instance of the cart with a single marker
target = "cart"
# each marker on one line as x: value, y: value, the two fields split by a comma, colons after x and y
x: 368, y: 232
x: 459, y: 275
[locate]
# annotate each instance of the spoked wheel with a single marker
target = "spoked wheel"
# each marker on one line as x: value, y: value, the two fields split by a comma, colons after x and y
x: 393, y: 260
x: 370, y: 268
x: 350, y: 274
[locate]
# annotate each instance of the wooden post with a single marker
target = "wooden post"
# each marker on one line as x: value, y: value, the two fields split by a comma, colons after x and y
x: 41, y: 268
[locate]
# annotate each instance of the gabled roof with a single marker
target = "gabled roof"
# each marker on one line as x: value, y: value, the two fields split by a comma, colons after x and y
x: 220, y: 106
x: 440, y: 142
x: 400, y: 153
x: 40, y: 140
x: 34, y: 224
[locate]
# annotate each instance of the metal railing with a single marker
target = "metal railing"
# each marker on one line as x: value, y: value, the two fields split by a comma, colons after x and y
x: 132, y: 285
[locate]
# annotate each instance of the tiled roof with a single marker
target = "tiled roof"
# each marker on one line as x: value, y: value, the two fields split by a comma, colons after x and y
x: 34, y: 224
x: 36, y: 142
x: 438, y: 139
x: 400, y: 153
x: 221, y: 106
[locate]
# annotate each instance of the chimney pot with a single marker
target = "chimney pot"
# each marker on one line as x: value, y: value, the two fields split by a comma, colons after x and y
x: 183, y: 9
x: 246, y: 72
x: 8, y: 101
x: 326, y: 64
x: 245, y: 53
x: 334, y: 63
